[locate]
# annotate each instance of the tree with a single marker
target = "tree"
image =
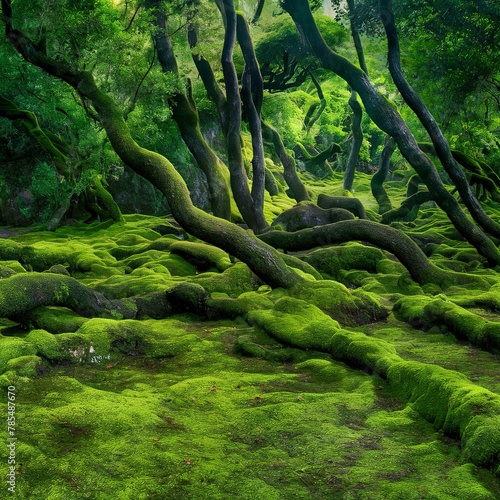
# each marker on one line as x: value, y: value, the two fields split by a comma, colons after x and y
x: 389, y: 120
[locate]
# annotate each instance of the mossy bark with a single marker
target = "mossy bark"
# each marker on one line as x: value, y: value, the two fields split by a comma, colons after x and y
x: 297, y: 188
x: 357, y: 141
x: 345, y: 202
x: 307, y: 214
x: 480, y: 172
x: 387, y: 238
x: 406, y: 207
x: 252, y: 93
x: 386, y: 117
x: 104, y: 195
x: 23, y: 292
x: 264, y: 261
x: 252, y: 214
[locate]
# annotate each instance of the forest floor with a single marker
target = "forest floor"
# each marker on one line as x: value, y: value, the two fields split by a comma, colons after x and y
x: 186, y: 408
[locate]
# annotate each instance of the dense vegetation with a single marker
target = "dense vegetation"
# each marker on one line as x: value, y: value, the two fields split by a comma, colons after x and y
x: 251, y: 253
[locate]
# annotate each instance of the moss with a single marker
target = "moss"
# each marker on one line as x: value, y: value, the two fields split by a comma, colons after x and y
x: 296, y: 323
x: 451, y: 402
x: 427, y: 312
x: 13, y: 265
x: 13, y: 347
x: 202, y: 255
x: 56, y: 319
x: 46, y: 345
x: 348, y: 308
x: 234, y: 281
x: 332, y: 260
x: 26, y: 366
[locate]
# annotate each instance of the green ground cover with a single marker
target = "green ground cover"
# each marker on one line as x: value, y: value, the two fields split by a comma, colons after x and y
x: 282, y: 398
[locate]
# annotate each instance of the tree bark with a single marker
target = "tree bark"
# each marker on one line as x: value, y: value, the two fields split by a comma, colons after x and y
x: 357, y: 141
x: 385, y: 116
x: 23, y: 292
x: 297, y: 189
x: 252, y: 95
x: 385, y: 237
x: 357, y: 111
x: 378, y: 179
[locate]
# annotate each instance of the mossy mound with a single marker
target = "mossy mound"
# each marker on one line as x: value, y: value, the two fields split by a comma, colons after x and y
x: 296, y: 323
x: 330, y: 261
x: 349, y: 308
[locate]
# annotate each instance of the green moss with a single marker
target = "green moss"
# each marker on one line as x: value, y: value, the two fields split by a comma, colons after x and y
x: 56, y: 319
x: 234, y: 281
x: 13, y: 347
x: 46, y: 345
x: 335, y: 299
x: 26, y: 366
x: 200, y: 254
x: 332, y: 260
x: 428, y: 312
x: 297, y: 323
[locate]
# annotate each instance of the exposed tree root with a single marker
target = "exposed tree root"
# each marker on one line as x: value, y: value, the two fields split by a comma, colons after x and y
x: 345, y: 202
x: 387, y: 238
x: 410, y: 204
x: 22, y: 292
x: 427, y: 312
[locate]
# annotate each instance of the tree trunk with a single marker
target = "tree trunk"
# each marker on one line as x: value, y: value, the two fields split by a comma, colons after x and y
x: 262, y: 259
x: 253, y: 94
x: 357, y: 111
x: 357, y: 141
x: 435, y: 133
x: 385, y: 116
x: 252, y: 214
x: 297, y: 190
x: 385, y: 237
x: 378, y: 179
x: 185, y: 115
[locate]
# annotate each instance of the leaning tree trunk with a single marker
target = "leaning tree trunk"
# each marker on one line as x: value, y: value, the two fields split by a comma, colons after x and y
x: 185, y: 115
x: 357, y: 141
x: 378, y: 179
x: 387, y: 118
x: 252, y: 214
x: 252, y: 95
x: 262, y: 259
x: 357, y: 111
x: 435, y: 133
x: 297, y: 189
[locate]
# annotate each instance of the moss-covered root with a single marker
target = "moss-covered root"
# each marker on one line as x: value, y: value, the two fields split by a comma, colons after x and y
x: 452, y: 403
x: 307, y: 214
x: 22, y: 292
x: 201, y: 255
x: 345, y: 202
x: 408, y: 209
x: 427, y: 312
x: 444, y: 397
x: 388, y: 238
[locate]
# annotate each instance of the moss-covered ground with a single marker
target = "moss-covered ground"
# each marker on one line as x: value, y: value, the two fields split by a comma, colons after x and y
x: 288, y: 397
